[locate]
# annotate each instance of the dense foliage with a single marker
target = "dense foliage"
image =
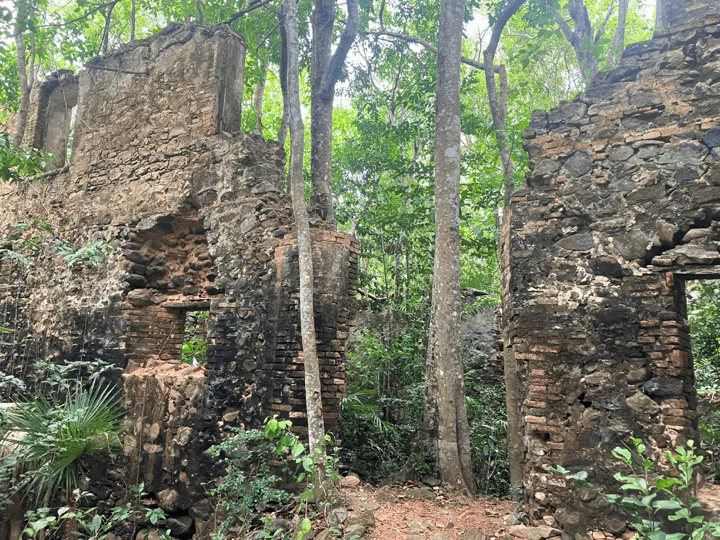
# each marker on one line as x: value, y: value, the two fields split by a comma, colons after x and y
x: 704, y: 318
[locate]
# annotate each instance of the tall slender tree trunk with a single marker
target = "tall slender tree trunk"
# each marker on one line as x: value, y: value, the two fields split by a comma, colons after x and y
x: 20, y: 21
x: 284, y: 125
x: 447, y: 415
x: 325, y: 69
x: 313, y: 389
x: 498, y: 100
x: 106, y: 28
x: 258, y: 98
x: 618, y: 43
x: 133, y: 19
x: 323, y: 23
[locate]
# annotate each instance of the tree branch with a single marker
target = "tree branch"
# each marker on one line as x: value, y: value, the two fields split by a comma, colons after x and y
x: 252, y: 7
x: 568, y: 32
x: 97, y: 8
x: 601, y: 29
x: 425, y: 45
x: 499, y: 101
x: 338, y: 58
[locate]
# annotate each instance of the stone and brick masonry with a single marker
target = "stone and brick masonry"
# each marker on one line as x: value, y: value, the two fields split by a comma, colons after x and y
x: 198, y: 219
x: 621, y: 208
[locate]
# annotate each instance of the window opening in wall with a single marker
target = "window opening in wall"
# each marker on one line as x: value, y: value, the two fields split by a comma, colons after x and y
x: 703, y: 314
x: 194, y: 348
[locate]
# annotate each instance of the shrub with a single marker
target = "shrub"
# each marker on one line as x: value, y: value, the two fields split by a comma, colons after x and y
x: 248, y: 487
x: 89, y: 523
x: 652, y: 499
x: 49, y: 438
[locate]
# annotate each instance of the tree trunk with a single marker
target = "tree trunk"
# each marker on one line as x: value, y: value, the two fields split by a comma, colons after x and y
x: 660, y: 22
x: 579, y: 37
x: 258, y: 98
x: 514, y: 425
x: 323, y: 23
x: 325, y: 69
x: 313, y: 389
x: 133, y: 19
x: 498, y: 109
x: 617, y: 47
x: 446, y: 390
x: 106, y: 28
x: 284, y: 125
x: 23, y: 112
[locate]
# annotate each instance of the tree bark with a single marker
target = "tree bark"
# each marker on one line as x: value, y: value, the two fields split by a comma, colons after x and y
x: 617, y: 47
x: 23, y: 111
x: 258, y: 98
x: 133, y: 19
x: 325, y: 69
x: 498, y: 109
x: 284, y: 125
x: 106, y: 28
x: 580, y: 37
x: 313, y: 389
x: 446, y: 414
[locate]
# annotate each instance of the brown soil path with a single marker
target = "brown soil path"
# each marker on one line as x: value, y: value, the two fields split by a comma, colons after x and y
x: 415, y: 513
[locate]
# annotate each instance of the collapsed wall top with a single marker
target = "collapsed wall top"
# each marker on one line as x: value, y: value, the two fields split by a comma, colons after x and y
x: 685, y: 14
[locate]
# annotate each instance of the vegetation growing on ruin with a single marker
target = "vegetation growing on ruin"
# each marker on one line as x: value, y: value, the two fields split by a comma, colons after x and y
x: 414, y: 146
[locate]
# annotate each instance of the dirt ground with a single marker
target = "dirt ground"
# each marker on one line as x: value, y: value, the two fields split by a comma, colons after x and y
x: 415, y: 513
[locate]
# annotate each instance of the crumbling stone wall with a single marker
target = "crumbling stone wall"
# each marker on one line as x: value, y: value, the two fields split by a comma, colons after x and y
x: 196, y: 218
x: 622, y: 206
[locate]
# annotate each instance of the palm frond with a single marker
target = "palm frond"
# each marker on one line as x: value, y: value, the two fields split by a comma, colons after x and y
x: 52, y: 436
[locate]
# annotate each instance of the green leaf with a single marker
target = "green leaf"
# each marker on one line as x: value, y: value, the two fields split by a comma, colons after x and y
x: 667, y: 505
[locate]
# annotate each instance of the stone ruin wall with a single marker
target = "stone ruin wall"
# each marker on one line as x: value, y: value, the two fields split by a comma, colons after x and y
x: 621, y: 208
x: 198, y: 219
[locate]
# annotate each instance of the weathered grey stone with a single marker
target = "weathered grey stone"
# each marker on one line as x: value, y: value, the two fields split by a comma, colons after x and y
x: 533, y: 533
x: 712, y: 137
x: 578, y: 242
x: 622, y: 153
x: 648, y: 193
x: 354, y: 532
x: 664, y: 386
x: 135, y: 280
x: 140, y: 297
x: 431, y: 481
x: 696, y: 234
x: 139, y: 258
x: 420, y: 493
x: 337, y: 516
x: 366, y: 519
x: 578, y: 165
x: 632, y: 245
x: 567, y: 112
x: 202, y: 510
x: 179, y: 525
x: 168, y: 499
x: 666, y: 232
x: 642, y: 404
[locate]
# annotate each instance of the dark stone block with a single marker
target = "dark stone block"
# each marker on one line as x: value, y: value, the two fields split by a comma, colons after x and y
x: 136, y: 281
x: 712, y: 137
x: 137, y: 257
x: 578, y: 242
x: 664, y: 386
x: 579, y: 164
x: 607, y: 267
